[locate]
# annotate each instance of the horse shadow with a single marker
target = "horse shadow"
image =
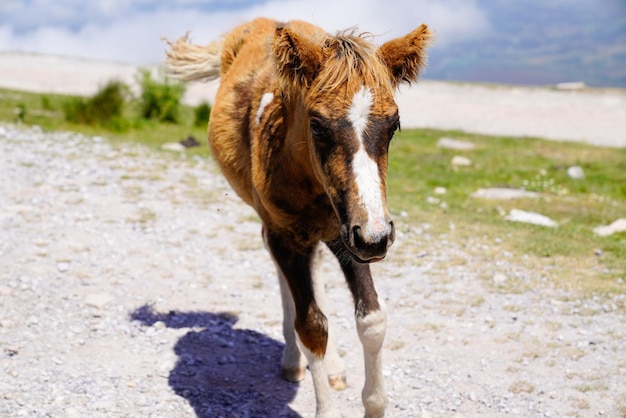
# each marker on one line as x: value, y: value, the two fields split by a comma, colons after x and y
x: 222, y: 371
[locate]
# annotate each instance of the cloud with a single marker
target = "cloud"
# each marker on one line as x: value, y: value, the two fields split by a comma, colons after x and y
x: 130, y: 31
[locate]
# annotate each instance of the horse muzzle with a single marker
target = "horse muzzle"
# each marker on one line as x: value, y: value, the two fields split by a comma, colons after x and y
x: 367, y: 245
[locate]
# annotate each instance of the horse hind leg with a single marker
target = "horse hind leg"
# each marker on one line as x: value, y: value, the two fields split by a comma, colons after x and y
x: 293, y: 362
x: 334, y: 364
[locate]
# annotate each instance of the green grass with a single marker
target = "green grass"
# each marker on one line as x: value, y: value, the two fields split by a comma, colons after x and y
x: 46, y: 110
x: 417, y: 166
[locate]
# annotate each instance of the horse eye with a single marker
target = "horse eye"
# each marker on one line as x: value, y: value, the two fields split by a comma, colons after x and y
x: 320, y: 132
x: 394, y: 128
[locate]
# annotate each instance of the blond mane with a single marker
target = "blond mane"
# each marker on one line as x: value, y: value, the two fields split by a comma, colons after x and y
x: 349, y: 57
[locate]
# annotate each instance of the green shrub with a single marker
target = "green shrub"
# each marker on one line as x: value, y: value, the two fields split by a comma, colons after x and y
x: 75, y: 110
x: 202, y: 113
x: 104, y: 108
x: 159, y: 100
x: 20, y: 112
x: 46, y: 104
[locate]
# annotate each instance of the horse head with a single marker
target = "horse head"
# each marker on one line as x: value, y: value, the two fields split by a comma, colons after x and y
x: 344, y: 86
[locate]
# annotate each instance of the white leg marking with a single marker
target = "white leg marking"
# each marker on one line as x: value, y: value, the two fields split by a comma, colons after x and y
x: 365, y: 169
x: 334, y: 364
x: 293, y: 361
x: 265, y: 100
x: 372, y: 329
x: 323, y: 400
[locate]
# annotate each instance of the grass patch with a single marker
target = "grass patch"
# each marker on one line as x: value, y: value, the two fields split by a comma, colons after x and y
x: 570, y: 255
x: 576, y: 255
x: 46, y: 110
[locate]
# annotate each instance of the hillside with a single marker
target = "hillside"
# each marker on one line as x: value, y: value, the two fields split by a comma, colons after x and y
x: 541, y: 42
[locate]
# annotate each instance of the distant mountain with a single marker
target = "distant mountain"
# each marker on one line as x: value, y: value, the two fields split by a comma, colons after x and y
x: 541, y: 42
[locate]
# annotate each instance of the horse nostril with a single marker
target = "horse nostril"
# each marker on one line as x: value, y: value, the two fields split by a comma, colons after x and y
x: 392, y: 233
x: 374, y: 244
x: 367, y: 247
x: 357, y: 238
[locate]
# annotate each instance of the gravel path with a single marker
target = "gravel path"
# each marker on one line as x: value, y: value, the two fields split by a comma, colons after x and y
x: 134, y: 284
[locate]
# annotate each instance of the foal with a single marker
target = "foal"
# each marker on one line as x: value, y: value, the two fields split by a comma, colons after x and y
x: 301, y: 127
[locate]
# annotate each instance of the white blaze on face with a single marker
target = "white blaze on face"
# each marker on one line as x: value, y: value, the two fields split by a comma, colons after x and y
x: 265, y: 100
x: 365, y: 168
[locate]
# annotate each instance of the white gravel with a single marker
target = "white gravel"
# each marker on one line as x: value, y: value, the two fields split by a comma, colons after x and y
x: 117, y: 265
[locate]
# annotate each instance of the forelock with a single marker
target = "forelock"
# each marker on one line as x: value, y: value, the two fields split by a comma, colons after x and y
x: 350, y: 61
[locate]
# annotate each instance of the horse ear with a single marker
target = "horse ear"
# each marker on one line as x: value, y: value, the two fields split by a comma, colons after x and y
x: 297, y: 58
x: 405, y: 56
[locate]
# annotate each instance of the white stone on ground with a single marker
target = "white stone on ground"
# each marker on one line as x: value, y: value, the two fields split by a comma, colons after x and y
x: 517, y: 215
x: 460, y: 161
x: 455, y: 144
x: 576, y: 172
x: 502, y: 193
x: 606, y: 230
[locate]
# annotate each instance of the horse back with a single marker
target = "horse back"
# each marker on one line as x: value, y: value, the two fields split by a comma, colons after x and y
x: 237, y: 137
x: 244, y: 56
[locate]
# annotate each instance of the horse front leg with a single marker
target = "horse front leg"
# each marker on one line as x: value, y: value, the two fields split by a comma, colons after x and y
x: 372, y: 328
x: 310, y: 323
x: 371, y: 324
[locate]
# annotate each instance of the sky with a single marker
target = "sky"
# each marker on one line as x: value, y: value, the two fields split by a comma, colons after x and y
x: 130, y: 31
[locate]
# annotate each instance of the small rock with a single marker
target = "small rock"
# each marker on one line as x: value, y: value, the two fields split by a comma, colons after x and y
x: 173, y: 146
x: 63, y: 266
x: 501, y: 193
x: 460, y: 161
x: 576, y: 172
x: 606, y: 230
x: 189, y: 142
x: 517, y: 215
x: 440, y: 190
x: 499, y: 279
x: 455, y: 144
x: 98, y: 300
x: 159, y: 325
x: 11, y: 351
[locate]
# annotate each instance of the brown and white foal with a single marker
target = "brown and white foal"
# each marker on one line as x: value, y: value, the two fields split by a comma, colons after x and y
x: 301, y: 127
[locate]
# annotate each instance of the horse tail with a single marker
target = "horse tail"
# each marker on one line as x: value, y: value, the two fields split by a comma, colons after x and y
x: 189, y: 62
